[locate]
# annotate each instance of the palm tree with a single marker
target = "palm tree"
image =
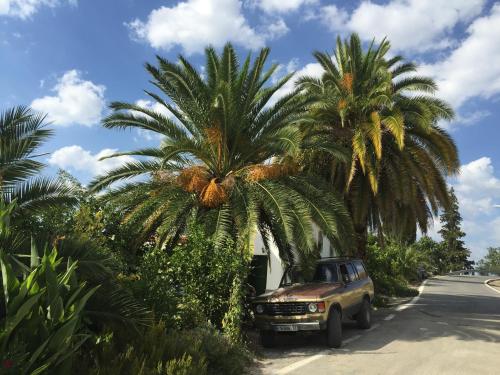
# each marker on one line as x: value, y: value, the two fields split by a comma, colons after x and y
x: 388, y: 121
x: 22, y: 132
x: 227, y: 159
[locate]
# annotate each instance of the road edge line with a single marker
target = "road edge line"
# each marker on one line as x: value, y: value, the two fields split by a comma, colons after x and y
x: 415, y: 299
x: 489, y: 286
x: 298, y: 364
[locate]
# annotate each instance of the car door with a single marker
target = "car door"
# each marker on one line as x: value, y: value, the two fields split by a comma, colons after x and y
x: 357, y: 285
x: 349, y: 293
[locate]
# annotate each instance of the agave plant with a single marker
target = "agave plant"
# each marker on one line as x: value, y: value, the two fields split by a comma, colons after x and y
x: 41, y: 324
x: 382, y: 112
x: 22, y: 132
x: 227, y: 158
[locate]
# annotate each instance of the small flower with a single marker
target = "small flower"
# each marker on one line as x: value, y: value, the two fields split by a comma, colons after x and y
x: 8, y: 363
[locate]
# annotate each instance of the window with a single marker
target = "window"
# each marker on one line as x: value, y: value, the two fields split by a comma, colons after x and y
x: 352, y: 272
x: 361, y: 269
x: 326, y: 273
x: 344, y: 273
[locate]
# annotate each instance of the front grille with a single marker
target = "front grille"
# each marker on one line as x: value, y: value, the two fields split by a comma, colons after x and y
x: 286, y: 308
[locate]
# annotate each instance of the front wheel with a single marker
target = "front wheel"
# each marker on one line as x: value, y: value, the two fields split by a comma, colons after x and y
x: 267, y: 339
x: 334, y: 329
x: 364, y: 316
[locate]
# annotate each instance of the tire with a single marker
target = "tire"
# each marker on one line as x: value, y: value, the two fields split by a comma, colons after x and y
x: 334, y: 329
x: 364, y: 316
x: 268, y: 339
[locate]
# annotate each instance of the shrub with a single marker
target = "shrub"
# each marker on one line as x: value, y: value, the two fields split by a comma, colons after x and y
x: 391, y: 267
x: 159, y: 351
x: 193, y: 283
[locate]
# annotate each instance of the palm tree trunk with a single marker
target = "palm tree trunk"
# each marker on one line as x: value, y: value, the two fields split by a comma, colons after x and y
x: 361, y: 241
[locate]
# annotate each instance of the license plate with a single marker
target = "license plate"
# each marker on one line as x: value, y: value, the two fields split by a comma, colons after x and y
x: 286, y: 328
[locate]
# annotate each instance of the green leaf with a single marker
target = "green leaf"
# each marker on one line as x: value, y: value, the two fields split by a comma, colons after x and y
x: 34, y: 260
x: 9, y: 280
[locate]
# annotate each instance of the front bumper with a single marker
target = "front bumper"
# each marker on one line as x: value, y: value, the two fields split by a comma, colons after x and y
x: 291, y: 326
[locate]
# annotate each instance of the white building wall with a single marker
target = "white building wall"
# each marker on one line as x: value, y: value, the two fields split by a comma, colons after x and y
x: 275, y: 267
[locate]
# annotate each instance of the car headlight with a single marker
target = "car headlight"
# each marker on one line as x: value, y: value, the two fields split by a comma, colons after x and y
x: 259, y: 309
x: 312, y: 307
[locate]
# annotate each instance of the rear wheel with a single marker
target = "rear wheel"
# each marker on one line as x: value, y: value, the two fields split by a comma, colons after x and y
x: 267, y: 339
x: 334, y: 329
x: 364, y: 316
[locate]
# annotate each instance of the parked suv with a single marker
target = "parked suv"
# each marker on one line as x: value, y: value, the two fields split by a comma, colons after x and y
x: 340, y: 288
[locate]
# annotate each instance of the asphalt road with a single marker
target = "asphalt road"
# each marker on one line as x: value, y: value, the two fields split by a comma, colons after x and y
x: 453, y: 328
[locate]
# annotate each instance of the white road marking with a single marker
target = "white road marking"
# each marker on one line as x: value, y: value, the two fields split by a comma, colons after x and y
x: 489, y: 286
x: 294, y: 366
x: 442, y: 323
x: 375, y: 326
x: 351, y: 339
x: 415, y: 299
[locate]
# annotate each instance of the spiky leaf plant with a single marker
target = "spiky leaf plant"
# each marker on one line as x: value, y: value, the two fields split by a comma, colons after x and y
x: 227, y: 158
x: 376, y: 107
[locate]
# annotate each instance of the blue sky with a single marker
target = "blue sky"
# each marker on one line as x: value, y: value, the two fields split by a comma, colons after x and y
x: 69, y: 58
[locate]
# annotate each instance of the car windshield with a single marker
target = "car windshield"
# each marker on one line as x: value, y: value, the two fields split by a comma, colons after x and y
x: 324, y: 273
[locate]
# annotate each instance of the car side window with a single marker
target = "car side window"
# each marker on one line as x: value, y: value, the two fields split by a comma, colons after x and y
x: 361, y: 270
x: 352, y: 272
x: 344, y: 273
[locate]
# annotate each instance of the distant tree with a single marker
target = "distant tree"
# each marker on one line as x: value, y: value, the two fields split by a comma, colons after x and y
x: 491, y: 262
x: 452, y: 234
x: 435, y: 254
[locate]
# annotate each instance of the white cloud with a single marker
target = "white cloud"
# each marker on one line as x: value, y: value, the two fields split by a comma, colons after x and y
x: 282, y: 6
x: 335, y: 19
x: 312, y: 70
x: 75, y: 158
x: 154, y: 106
x: 194, y: 24
x: 473, y: 68
x: 417, y: 25
x: 76, y: 101
x: 478, y: 190
x: 26, y: 8
x: 276, y: 29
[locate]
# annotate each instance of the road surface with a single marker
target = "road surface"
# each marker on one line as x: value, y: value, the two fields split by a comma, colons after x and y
x: 452, y: 328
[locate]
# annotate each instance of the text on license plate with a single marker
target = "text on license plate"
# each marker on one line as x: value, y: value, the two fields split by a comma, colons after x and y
x: 286, y: 328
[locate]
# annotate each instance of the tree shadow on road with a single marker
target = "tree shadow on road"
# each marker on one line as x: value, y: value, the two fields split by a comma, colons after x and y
x: 461, y: 317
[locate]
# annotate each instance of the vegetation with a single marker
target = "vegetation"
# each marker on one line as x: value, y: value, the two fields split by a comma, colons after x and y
x: 387, y: 121
x: 491, y: 262
x: 22, y: 132
x: 452, y: 234
x: 42, y: 321
x: 228, y: 157
x: 150, y: 275
x: 192, y: 285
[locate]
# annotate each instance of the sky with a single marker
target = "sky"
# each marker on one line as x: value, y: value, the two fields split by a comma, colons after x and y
x: 70, y: 58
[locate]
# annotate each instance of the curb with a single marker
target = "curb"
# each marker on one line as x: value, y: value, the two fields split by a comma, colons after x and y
x: 486, y: 283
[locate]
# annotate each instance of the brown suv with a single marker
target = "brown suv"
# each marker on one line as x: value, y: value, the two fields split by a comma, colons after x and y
x: 340, y: 287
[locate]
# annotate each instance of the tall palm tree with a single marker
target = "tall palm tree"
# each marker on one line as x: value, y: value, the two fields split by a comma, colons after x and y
x: 227, y: 159
x: 22, y: 132
x: 386, y: 116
